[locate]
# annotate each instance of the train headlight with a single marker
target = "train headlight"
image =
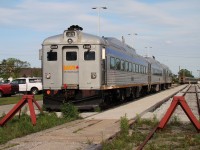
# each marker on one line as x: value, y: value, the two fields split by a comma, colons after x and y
x: 93, y: 75
x: 70, y: 34
x: 70, y: 41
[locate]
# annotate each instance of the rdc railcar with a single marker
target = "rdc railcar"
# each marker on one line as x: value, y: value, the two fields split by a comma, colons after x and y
x: 187, y: 80
x: 78, y: 66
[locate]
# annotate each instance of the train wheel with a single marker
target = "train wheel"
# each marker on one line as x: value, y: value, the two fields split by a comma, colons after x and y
x: 144, y: 91
x: 107, y: 98
x: 122, y: 96
x: 137, y: 92
x: 119, y: 95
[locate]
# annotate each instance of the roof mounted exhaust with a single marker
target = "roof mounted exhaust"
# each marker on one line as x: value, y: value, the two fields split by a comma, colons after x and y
x: 75, y: 27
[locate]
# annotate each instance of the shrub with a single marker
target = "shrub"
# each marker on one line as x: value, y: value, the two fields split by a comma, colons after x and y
x: 69, y: 111
x: 124, y: 126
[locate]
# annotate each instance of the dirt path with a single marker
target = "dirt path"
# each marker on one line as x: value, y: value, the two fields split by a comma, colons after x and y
x: 86, y: 133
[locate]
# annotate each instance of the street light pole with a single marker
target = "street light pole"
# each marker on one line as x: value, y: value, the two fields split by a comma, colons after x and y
x: 98, y: 8
x: 148, y: 55
x: 133, y: 36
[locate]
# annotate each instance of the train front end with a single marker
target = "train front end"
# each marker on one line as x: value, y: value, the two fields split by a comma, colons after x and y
x: 71, y: 66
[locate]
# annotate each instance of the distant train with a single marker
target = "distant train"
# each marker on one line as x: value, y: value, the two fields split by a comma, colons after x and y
x: 77, y: 66
x: 187, y: 80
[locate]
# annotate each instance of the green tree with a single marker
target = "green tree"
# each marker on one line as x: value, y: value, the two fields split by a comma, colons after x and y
x: 11, y: 67
x: 185, y: 72
x: 37, y: 72
x: 174, y: 78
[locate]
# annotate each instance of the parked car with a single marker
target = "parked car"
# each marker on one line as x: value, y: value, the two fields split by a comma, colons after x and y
x: 8, y: 89
x: 29, y: 85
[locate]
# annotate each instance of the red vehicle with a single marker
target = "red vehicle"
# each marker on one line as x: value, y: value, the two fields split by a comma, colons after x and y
x: 8, y: 89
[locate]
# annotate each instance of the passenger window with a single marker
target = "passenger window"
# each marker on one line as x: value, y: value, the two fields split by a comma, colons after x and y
x: 117, y: 64
x: 145, y: 70
x: 137, y: 68
x: 15, y: 82
x: 51, y: 56
x: 141, y: 69
x: 34, y: 80
x: 89, y: 55
x: 71, y: 56
x: 112, y: 63
x: 130, y: 67
x: 126, y: 66
x: 134, y: 68
x: 31, y: 80
x: 122, y: 65
x: 22, y: 81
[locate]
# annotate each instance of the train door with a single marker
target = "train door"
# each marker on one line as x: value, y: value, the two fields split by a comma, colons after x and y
x: 104, y: 67
x: 89, y: 68
x: 149, y: 75
x: 70, y: 66
x: 52, y: 68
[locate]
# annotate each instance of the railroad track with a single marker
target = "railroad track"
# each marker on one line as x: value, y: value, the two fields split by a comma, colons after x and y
x: 192, y: 97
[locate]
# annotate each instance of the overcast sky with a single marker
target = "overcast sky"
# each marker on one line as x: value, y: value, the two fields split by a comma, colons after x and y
x: 170, y: 27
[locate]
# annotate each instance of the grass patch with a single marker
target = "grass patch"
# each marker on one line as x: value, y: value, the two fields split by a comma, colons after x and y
x: 97, y: 109
x: 16, y: 98
x: 124, y: 126
x: 18, y: 127
x: 174, y: 136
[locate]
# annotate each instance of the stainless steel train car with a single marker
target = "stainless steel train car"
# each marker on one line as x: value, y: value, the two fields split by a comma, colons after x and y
x: 160, y: 75
x: 187, y: 80
x: 78, y: 66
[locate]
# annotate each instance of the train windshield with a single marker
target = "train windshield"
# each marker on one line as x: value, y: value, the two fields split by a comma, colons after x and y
x: 51, y: 56
x: 89, y: 55
x: 71, y: 56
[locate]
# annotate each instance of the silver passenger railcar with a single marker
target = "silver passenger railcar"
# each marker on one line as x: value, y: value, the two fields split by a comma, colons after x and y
x: 160, y: 75
x: 78, y: 66
x: 187, y: 80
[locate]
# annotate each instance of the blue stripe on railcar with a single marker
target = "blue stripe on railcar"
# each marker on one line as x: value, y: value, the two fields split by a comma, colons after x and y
x: 126, y: 57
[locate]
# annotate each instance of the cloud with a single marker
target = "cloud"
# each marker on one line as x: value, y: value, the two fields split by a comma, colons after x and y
x: 168, y: 26
x: 168, y: 42
x: 145, y: 13
x: 39, y: 15
x: 45, y: 16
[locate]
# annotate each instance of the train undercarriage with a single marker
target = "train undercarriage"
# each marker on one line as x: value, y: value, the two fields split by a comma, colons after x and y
x: 87, y: 99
